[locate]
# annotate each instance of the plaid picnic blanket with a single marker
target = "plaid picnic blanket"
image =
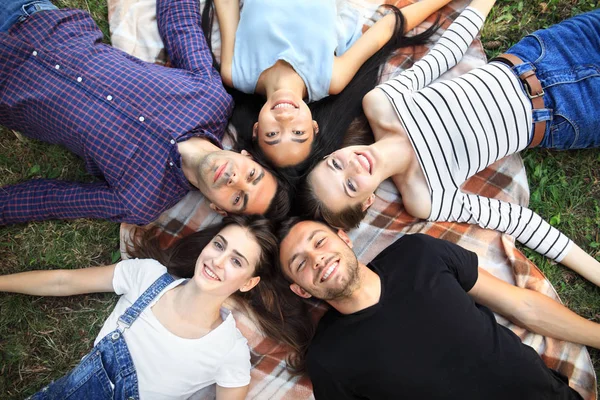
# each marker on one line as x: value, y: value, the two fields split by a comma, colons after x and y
x: 133, y: 29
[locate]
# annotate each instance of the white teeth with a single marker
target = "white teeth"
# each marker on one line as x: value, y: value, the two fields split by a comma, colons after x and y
x: 284, y: 105
x: 329, y: 271
x: 364, y: 161
x: 211, y: 274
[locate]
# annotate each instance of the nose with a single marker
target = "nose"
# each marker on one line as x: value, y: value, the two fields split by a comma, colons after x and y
x: 319, y: 261
x: 219, y: 261
x: 355, y: 164
x: 233, y: 178
x: 284, y: 116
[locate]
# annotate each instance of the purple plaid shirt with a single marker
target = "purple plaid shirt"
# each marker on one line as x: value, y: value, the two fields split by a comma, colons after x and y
x: 123, y: 116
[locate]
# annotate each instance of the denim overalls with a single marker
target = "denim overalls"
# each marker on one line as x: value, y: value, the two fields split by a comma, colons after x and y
x: 106, y: 372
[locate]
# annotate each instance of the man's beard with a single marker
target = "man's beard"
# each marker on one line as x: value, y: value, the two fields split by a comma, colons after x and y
x: 350, y: 285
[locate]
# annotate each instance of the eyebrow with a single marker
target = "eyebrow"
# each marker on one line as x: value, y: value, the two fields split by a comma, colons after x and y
x: 255, y: 182
x: 300, y: 140
x: 259, y: 177
x: 233, y: 251
x: 245, y: 204
x: 310, y: 237
x: 273, y: 142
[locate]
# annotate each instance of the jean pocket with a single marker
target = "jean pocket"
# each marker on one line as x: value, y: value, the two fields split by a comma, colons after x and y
x: 563, y: 133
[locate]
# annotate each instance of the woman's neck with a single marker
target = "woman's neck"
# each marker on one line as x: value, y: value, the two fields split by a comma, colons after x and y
x: 398, y: 155
x: 197, y: 308
x: 280, y: 76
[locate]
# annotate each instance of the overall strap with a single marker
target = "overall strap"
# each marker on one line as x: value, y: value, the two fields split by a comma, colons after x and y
x: 131, y: 313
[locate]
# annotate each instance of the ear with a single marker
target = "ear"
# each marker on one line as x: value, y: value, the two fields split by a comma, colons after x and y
x: 315, y: 127
x: 251, y: 283
x: 299, y: 291
x: 342, y: 234
x: 218, y: 209
x: 245, y: 153
x: 255, y: 131
x: 368, y: 202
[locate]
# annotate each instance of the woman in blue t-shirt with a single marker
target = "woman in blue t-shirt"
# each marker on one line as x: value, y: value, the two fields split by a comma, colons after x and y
x: 292, y: 51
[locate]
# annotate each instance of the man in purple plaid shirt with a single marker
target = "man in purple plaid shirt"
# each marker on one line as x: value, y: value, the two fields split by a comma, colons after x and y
x: 152, y: 133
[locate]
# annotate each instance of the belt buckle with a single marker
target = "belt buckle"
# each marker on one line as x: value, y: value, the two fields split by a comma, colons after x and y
x: 533, y: 96
x: 524, y: 77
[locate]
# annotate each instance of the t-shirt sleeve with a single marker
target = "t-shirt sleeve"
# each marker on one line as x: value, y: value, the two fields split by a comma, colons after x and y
x: 462, y: 263
x: 135, y: 275
x: 235, y: 370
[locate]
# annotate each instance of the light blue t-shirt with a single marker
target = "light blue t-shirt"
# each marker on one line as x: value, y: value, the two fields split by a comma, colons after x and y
x: 307, y: 34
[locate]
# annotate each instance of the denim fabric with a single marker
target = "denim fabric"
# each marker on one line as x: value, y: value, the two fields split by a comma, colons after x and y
x: 566, y: 59
x: 12, y: 11
x: 107, y: 372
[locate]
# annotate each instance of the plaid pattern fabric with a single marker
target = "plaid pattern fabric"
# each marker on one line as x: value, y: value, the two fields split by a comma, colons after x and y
x: 60, y: 84
x: 386, y: 221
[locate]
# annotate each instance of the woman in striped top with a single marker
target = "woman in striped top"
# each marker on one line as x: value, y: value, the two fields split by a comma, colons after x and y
x: 431, y: 137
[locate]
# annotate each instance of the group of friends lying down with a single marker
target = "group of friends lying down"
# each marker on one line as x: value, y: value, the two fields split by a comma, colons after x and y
x: 316, y: 133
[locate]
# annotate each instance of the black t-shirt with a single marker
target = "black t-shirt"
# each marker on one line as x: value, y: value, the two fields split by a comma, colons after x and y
x: 426, y: 338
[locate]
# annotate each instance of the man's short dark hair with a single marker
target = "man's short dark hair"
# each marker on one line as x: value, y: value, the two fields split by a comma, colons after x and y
x: 280, y: 205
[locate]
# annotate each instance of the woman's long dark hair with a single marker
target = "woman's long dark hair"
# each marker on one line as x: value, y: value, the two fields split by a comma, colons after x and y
x: 279, y: 313
x: 334, y: 114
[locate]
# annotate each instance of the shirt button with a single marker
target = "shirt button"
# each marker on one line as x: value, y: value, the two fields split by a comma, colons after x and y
x: 172, y: 141
x: 170, y: 163
x: 57, y: 66
x: 109, y: 97
x: 141, y: 119
x: 79, y: 79
x: 34, y: 53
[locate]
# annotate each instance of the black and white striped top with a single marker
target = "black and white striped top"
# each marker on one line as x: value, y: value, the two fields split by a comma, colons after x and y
x: 458, y: 127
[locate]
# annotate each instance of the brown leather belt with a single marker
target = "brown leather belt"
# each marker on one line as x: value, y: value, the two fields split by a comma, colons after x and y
x: 534, y: 90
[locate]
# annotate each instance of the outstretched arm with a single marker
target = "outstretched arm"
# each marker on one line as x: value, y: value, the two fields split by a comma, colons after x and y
x: 179, y: 27
x: 228, y: 15
x: 43, y: 199
x: 534, y: 311
x: 346, y: 65
x: 526, y: 226
x: 582, y: 263
x: 60, y: 282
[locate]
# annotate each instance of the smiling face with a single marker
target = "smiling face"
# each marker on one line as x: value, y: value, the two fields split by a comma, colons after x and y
x: 346, y: 177
x: 285, y: 129
x: 319, y: 261
x: 227, y: 264
x: 235, y: 183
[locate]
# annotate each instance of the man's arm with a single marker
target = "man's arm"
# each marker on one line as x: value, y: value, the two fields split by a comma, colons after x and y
x: 180, y: 30
x: 534, y: 311
x: 43, y: 199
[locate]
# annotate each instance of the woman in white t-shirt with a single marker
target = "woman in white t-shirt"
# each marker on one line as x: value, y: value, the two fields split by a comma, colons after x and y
x: 168, y: 338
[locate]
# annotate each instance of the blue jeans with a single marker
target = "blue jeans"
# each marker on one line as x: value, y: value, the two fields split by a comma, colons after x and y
x: 107, y: 372
x: 13, y: 11
x: 566, y: 59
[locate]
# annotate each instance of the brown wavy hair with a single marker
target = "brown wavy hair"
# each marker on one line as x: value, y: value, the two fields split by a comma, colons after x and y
x: 278, y: 312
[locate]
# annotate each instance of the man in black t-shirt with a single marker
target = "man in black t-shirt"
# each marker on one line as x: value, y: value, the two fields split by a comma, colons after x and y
x: 414, y: 323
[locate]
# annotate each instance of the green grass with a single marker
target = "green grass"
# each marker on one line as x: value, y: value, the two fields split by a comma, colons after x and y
x: 42, y: 338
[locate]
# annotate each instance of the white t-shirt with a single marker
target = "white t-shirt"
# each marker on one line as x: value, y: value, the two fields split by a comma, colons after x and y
x: 168, y: 366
